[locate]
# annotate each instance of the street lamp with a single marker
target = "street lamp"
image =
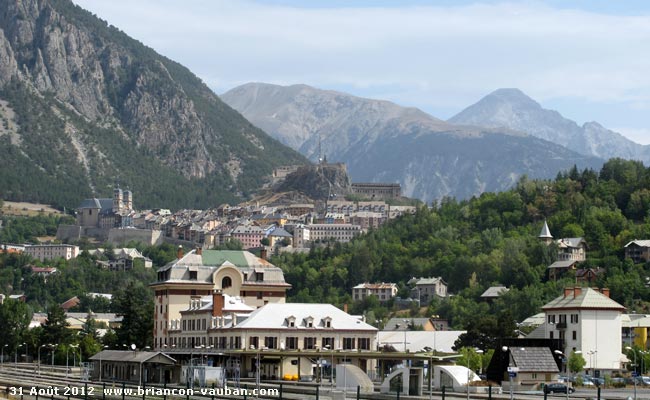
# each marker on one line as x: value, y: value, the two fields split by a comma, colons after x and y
x: 3, y: 353
x: 100, y: 362
x: 634, y: 351
x: 66, y: 357
x: 53, y: 346
x: 16, y: 357
x: 467, y: 374
x: 327, y: 346
x: 39, y: 357
x: 505, y: 350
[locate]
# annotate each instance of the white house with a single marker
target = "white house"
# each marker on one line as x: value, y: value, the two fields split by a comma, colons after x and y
x: 290, y: 338
x: 589, y: 321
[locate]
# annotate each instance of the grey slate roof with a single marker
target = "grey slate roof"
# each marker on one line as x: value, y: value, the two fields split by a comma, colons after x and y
x: 533, y: 359
x: 494, y: 291
x: 545, y: 232
x: 571, y: 242
x: 102, y: 204
x: 392, y: 324
x: 280, y: 233
x: 134, y: 356
x: 587, y: 299
x: 562, y: 264
x: 640, y: 243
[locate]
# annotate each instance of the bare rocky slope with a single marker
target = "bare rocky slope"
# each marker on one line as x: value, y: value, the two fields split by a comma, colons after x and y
x: 103, y: 107
x: 383, y: 142
x: 512, y: 109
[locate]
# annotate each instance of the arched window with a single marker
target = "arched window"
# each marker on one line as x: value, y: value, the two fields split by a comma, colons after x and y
x: 226, y: 282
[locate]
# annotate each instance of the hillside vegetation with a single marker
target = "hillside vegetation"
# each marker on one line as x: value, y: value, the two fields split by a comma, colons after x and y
x: 491, y: 239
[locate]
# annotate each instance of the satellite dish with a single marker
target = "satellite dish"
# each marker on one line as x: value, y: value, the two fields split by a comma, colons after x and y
x: 133, y: 346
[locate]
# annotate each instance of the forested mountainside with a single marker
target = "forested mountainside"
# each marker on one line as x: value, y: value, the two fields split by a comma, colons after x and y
x: 82, y: 105
x: 493, y: 239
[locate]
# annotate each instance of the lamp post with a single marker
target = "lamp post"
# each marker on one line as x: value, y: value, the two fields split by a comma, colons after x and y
x: 634, y: 351
x: 505, y: 350
x: 26, y: 348
x: 53, y: 350
x: 100, y: 362
x: 468, y: 372
x: 16, y: 357
x: 66, y: 357
x: 39, y: 357
x: 331, y: 348
x: 3, y: 353
x: 257, y: 369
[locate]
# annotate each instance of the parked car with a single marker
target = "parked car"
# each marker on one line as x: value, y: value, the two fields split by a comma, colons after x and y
x: 557, y: 388
x: 598, y: 381
x: 643, y: 380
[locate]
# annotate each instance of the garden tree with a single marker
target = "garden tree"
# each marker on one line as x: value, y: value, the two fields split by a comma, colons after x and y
x: 110, y: 339
x: 576, y: 362
x: 265, y: 241
x: 89, y: 346
x: 55, y: 329
x: 485, y: 331
x: 474, y: 359
x: 15, y: 317
x: 134, y: 303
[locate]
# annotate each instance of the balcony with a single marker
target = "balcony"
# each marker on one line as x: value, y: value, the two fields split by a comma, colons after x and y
x: 561, y: 325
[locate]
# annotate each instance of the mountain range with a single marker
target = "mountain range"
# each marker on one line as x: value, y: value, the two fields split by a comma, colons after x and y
x: 511, y: 108
x: 383, y: 142
x: 83, y: 106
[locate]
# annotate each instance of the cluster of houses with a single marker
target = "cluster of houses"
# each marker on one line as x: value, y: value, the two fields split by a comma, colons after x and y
x: 285, y: 226
x: 228, y: 308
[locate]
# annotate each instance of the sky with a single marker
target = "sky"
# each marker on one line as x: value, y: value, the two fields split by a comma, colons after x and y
x: 589, y: 59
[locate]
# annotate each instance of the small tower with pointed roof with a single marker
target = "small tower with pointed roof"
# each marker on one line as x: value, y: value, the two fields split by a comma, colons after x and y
x: 545, y: 235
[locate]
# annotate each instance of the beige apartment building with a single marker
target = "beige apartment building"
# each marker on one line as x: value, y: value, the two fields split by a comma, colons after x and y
x: 383, y: 291
x: 290, y: 339
x: 200, y: 273
x: 52, y: 251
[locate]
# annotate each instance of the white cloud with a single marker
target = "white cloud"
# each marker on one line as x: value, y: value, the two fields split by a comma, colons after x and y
x: 436, y: 58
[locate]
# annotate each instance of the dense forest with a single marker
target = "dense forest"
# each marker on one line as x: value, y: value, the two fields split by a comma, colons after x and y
x: 477, y: 243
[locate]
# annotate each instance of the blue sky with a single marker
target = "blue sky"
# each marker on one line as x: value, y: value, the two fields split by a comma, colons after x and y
x: 590, y: 60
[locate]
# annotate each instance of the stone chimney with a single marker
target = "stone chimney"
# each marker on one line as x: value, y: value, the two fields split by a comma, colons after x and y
x: 179, y: 252
x: 577, y: 291
x: 568, y: 292
x: 199, y: 250
x: 217, y: 303
x: 345, y: 307
x: 605, y: 291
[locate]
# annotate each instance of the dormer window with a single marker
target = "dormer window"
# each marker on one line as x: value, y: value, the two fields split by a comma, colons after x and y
x: 309, y: 322
x: 327, y: 322
x: 291, y: 321
x: 226, y: 282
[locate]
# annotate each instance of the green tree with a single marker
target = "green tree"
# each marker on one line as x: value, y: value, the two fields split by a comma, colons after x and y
x: 14, y: 319
x: 134, y: 303
x: 576, y: 362
x: 55, y: 330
